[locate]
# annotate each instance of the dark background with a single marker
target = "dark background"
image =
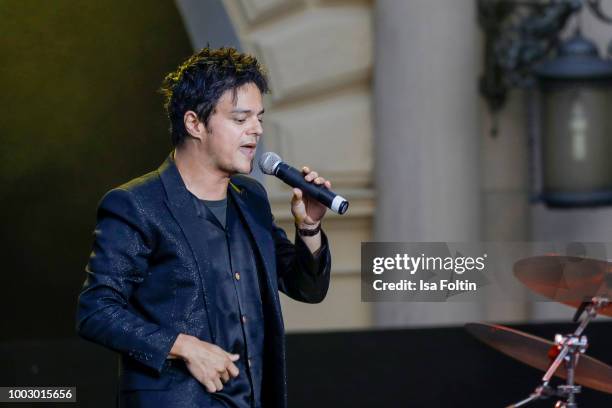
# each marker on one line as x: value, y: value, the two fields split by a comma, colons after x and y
x: 80, y: 115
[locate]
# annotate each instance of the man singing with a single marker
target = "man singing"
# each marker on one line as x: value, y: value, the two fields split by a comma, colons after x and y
x: 187, y: 262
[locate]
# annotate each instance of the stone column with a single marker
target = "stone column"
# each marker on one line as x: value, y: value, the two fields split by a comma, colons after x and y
x: 427, y: 131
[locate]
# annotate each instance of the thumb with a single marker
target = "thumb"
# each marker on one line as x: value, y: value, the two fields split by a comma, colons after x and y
x: 233, y: 357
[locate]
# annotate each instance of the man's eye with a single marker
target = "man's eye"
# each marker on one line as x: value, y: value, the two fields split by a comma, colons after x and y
x: 260, y: 120
x: 239, y: 120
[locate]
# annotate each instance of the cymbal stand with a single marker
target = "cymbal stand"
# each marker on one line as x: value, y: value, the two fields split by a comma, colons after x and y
x: 570, y: 348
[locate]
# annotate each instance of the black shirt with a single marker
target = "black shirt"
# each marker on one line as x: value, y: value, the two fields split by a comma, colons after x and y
x: 238, y: 318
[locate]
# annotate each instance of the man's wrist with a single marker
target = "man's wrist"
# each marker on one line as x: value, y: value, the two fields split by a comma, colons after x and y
x: 308, y: 230
x: 180, y: 347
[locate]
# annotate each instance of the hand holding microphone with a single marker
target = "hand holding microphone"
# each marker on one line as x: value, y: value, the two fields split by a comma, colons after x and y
x: 311, y: 196
x: 306, y: 211
x: 271, y: 163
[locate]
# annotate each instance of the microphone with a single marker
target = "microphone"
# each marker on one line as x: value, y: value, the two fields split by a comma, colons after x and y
x: 271, y: 163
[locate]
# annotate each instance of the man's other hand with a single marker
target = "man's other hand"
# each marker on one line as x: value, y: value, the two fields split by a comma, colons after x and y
x: 208, y: 363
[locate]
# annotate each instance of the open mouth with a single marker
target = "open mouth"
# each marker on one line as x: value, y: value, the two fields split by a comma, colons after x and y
x: 248, y: 149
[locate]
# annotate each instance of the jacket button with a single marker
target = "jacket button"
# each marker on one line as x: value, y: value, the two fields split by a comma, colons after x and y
x: 237, y: 276
x: 244, y: 319
x: 249, y: 362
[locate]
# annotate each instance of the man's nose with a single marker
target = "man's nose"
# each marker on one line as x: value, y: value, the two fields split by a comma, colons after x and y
x: 256, y: 128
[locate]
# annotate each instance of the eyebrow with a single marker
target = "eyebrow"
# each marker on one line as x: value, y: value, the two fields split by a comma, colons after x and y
x: 247, y: 111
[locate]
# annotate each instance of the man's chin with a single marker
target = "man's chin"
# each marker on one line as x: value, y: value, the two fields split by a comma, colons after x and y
x: 245, y: 169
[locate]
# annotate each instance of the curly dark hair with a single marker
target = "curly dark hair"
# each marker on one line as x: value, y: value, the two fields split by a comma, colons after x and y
x: 200, y: 81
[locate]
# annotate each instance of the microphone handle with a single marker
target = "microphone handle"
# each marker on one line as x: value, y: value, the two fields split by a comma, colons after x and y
x: 295, y: 178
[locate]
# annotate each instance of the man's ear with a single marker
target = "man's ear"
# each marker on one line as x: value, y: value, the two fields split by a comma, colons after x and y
x: 193, y: 125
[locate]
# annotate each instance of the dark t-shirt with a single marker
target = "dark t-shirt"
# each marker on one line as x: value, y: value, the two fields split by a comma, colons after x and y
x: 218, y: 208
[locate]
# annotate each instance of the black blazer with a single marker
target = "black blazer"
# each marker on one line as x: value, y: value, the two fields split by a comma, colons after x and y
x: 148, y: 280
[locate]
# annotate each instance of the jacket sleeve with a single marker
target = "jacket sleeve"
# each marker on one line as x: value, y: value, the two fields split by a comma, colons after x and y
x: 117, y: 266
x: 302, y: 275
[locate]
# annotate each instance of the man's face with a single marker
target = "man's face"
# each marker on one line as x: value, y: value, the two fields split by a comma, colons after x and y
x: 234, y: 130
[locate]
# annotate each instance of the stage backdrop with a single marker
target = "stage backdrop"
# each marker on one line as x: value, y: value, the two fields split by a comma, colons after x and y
x: 80, y: 114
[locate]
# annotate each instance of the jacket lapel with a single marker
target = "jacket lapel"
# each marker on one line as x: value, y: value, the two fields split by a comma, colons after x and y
x: 180, y: 204
x: 261, y: 235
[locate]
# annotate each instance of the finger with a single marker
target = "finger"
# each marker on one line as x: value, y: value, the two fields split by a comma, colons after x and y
x: 225, y: 376
x: 233, y: 370
x: 297, y: 195
x: 311, y: 176
x: 233, y: 357
x: 328, y: 184
x: 305, y: 170
x: 218, y: 384
x: 319, y: 180
x: 210, y: 386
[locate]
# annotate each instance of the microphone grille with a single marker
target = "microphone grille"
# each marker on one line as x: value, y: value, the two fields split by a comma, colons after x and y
x: 268, y: 162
